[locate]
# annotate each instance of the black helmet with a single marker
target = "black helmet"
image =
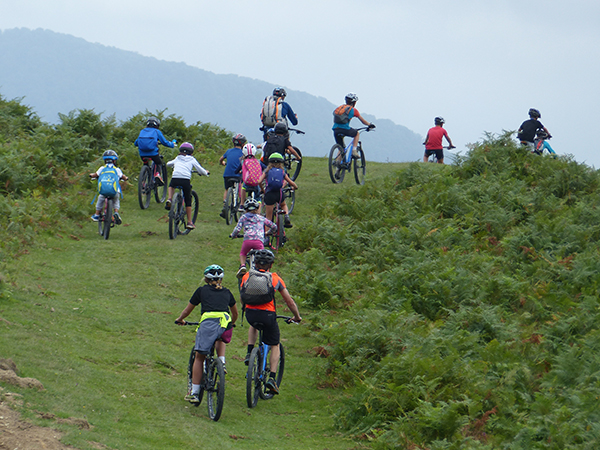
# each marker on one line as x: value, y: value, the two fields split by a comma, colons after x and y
x: 279, y: 92
x: 351, y: 98
x: 264, y: 257
x: 534, y: 113
x: 239, y: 140
x: 439, y: 120
x: 281, y: 128
x: 153, y: 122
x: 110, y: 155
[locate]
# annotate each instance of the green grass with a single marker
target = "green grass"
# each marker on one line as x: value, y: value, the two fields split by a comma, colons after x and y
x: 93, y: 321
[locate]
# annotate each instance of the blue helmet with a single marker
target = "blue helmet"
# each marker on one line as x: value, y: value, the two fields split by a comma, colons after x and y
x: 110, y: 155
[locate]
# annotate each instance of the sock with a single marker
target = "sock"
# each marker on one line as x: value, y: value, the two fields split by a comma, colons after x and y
x: 222, y: 358
x: 250, y: 348
x: 195, y: 388
x: 272, y: 374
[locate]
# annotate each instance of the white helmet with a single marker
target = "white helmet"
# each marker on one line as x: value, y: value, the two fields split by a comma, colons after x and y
x: 249, y: 150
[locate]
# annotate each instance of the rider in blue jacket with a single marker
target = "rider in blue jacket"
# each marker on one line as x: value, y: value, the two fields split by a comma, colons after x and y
x: 147, y: 144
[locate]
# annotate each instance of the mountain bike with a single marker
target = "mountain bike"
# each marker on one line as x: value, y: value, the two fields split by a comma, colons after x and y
x: 259, y: 368
x: 233, y: 202
x: 341, y: 159
x: 106, y: 220
x: 178, y: 214
x: 147, y: 183
x: 291, y: 164
x: 433, y: 157
x: 278, y: 239
x: 213, y: 381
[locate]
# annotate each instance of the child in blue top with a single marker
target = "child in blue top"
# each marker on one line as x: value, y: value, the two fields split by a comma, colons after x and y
x: 110, y: 158
x: 276, y: 178
x: 232, y: 160
x: 147, y: 144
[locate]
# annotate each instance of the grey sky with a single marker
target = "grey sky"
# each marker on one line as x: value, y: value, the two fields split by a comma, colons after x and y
x: 481, y: 65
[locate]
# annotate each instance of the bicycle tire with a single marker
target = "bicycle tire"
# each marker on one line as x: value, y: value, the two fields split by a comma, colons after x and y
x: 360, y: 167
x: 144, y: 187
x: 253, y: 383
x: 177, y: 217
x: 189, y: 373
x: 101, y: 223
x: 215, y: 388
x: 264, y: 394
x: 107, y: 218
x: 293, y: 165
x: 290, y: 194
x: 280, y: 230
x: 160, y: 192
x: 228, y: 204
x: 336, y: 171
x: 195, y: 206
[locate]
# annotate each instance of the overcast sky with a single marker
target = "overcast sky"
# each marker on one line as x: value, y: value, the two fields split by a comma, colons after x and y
x: 479, y: 64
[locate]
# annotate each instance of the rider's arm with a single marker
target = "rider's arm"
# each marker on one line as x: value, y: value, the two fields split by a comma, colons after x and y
x: 289, y: 113
x: 449, y: 140
x: 201, y: 170
x: 290, y: 182
x: 234, y: 313
x: 222, y: 160
x: 163, y: 141
x: 289, y: 301
x: 186, y: 312
x: 291, y: 150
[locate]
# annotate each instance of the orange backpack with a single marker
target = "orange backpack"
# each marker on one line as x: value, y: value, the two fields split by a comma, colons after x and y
x: 341, y: 114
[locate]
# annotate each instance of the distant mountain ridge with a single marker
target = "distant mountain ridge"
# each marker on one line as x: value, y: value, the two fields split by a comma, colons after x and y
x: 58, y: 73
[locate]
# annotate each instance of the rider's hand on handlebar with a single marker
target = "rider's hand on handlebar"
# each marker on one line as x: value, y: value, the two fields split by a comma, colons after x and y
x: 371, y: 125
x: 180, y: 322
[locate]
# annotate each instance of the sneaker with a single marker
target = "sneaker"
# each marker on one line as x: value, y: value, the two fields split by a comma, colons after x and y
x: 158, y: 180
x: 286, y: 222
x: 168, y: 205
x: 241, y: 272
x: 247, y: 359
x: 190, y: 226
x: 117, y: 218
x: 225, y: 368
x: 95, y: 217
x: 223, y: 213
x: 271, y: 385
x: 241, y: 208
x: 355, y: 153
x: 192, y: 398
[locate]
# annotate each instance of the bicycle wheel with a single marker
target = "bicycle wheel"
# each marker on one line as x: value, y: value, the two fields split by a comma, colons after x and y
x: 289, y: 196
x: 292, y: 164
x: 194, y: 207
x: 160, y: 192
x: 107, y: 218
x: 229, y: 200
x: 253, y: 383
x: 360, y: 167
x: 215, y: 388
x: 189, y: 373
x: 177, y: 217
x: 336, y: 170
x: 280, y: 231
x: 264, y: 394
x: 144, y: 187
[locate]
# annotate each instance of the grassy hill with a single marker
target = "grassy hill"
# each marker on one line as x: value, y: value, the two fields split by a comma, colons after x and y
x: 456, y: 307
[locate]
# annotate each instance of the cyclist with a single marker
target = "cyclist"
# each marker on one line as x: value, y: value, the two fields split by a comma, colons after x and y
x: 528, y: 129
x: 251, y: 172
x: 219, y: 314
x: 278, y: 141
x: 253, y: 226
x: 276, y: 178
x: 433, y: 141
x: 110, y: 158
x: 275, y: 109
x: 341, y: 122
x: 232, y: 160
x: 266, y: 315
x: 542, y: 144
x: 147, y: 144
x: 183, y: 167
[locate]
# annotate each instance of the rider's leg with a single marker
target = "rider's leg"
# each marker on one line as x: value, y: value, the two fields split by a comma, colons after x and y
x: 274, y: 358
x: 198, y: 369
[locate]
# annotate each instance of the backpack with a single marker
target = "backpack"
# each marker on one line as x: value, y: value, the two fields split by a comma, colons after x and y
x: 147, y: 140
x: 258, y: 288
x: 341, y: 114
x: 275, y: 144
x: 251, y: 171
x: 108, y: 182
x: 275, y: 179
x: 271, y: 111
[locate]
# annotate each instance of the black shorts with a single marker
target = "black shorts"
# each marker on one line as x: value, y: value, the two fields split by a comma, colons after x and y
x: 439, y: 153
x: 340, y: 133
x: 186, y: 186
x: 272, y: 197
x: 230, y: 181
x: 266, y: 321
x: 156, y: 158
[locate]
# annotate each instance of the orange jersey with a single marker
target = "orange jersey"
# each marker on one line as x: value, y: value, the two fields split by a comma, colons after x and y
x: 278, y: 285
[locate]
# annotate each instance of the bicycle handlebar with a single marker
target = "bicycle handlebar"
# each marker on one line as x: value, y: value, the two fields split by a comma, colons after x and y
x: 296, y: 131
x: 187, y: 323
x: 288, y: 320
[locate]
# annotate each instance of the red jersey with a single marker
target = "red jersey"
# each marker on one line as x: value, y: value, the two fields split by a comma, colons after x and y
x: 434, y: 138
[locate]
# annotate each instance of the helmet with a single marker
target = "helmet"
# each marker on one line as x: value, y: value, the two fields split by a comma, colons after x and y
x: 213, y: 272
x: 276, y: 157
x: 249, y: 150
x: 239, y: 140
x: 110, y: 155
x: 264, y: 257
x: 251, y: 204
x: 186, y: 148
x: 439, y: 120
x: 153, y: 122
x: 541, y: 134
x: 279, y: 92
x: 351, y: 97
x: 281, y: 128
x: 534, y: 113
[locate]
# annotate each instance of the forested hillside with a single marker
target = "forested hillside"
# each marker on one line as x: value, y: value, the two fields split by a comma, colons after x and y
x: 457, y: 305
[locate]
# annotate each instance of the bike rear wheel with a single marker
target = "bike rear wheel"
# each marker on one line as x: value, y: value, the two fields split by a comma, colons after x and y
x: 292, y: 164
x: 144, y: 187
x: 264, y: 393
x: 108, y: 219
x: 215, y: 388
x: 177, y: 217
x: 160, y: 192
x: 232, y: 206
x: 253, y: 383
x: 360, y: 167
x: 336, y: 158
x: 189, y: 373
x: 194, y: 207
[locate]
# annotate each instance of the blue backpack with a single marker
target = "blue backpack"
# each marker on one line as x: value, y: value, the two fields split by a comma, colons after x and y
x: 275, y: 179
x: 108, y: 182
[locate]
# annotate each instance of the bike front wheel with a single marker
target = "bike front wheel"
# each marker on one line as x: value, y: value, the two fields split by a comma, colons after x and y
x: 160, y: 192
x: 177, y: 217
x: 360, y: 167
x: 144, y: 187
x: 336, y: 161
x: 215, y: 388
x: 289, y: 196
x: 107, y: 220
x: 253, y: 383
x: 264, y: 393
x: 189, y: 381
x: 231, y: 216
x: 292, y: 164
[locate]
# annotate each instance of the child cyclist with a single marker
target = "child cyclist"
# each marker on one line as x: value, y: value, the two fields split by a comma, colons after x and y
x: 219, y: 314
x: 251, y: 172
x: 183, y: 166
x: 253, y: 225
x: 276, y: 177
x: 232, y: 160
x: 147, y: 144
x: 542, y: 144
x: 110, y: 158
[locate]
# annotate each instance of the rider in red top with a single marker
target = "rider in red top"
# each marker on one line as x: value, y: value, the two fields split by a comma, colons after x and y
x: 433, y: 141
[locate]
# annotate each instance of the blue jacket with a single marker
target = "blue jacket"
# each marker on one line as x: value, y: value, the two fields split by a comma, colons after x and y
x: 147, y: 141
x: 287, y: 111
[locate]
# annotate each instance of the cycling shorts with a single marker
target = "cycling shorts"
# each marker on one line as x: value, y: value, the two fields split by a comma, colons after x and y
x: 340, y: 133
x: 156, y: 158
x: 272, y: 197
x: 266, y: 321
x: 186, y: 186
x: 230, y: 181
x: 439, y: 153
